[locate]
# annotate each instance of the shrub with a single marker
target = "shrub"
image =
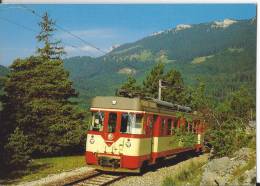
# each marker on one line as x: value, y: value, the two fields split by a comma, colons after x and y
x: 228, y: 137
x: 17, y: 151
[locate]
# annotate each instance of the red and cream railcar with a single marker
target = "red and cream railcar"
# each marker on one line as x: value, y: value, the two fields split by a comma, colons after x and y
x: 129, y: 133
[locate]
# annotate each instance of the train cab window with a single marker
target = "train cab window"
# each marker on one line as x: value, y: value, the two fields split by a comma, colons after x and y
x: 169, y: 126
x: 163, y: 125
x: 132, y: 123
x: 112, y: 122
x: 97, y: 121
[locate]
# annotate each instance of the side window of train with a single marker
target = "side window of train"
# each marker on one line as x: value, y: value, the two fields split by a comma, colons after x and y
x: 150, y: 120
x: 163, y: 125
x: 139, y: 124
x: 131, y: 123
x: 189, y: 127
x: 186, y: 126
x: 182, y: 124
x: 97, y: 121
x: 175, y: 125
x: 169, y: 126
x: 112, y: 118
x: 194, y: 127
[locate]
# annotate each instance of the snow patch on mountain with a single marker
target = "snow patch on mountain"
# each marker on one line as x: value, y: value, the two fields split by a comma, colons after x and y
x: 182, y: 27
x: 156, y: 33
x: 113, y: 47
x: 128, y: 71
x: 223, y: 24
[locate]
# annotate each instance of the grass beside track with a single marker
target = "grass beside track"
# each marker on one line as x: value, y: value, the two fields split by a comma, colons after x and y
x: 189, y: 172
x: 40, y: 168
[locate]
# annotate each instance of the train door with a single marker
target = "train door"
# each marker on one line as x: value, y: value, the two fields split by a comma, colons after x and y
x: 149, y: 131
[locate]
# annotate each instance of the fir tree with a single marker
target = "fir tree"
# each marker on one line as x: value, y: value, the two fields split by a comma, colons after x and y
x: 174, y: 87
x: 38, y: 93
x: 131, y: 87
x: 37, y: 100
x: 151, y: 83
x: 17, y: 154
x: 51, y: 49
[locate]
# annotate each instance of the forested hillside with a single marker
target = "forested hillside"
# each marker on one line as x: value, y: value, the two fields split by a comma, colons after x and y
x: 3, y: 70
x: 222, y: 54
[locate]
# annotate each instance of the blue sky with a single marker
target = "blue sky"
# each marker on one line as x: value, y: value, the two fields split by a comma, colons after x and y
x: 104, y: 25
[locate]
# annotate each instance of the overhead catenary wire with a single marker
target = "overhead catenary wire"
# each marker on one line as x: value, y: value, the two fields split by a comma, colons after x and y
x: 17, y: 24
x: 64, y: 30
x: 31, y: 30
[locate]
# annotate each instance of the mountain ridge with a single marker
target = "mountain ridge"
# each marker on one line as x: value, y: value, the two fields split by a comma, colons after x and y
x: 232, y: 51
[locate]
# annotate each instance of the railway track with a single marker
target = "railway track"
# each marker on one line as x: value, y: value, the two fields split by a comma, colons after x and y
x: 96, y: 178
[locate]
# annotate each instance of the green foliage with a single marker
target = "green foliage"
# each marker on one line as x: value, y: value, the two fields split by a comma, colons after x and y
x: 38, y: 117
x: 41, y: 87
x: 222, y: 74
x: 18, y: 151
x: 51, y: 49
x: 174, y: 87
x: 3, y: 73
x: 37, y: 100
x: 151, y: 83
x: 3, y: 70
x: 182, y: 138
x: 168, y: 181
x: 189, y: 139
x: 43, y: 167
x: 229, y: 122
x: 189, y: 172
x: 131, y: 86
x: 241, y: 103
x: 228, y: 137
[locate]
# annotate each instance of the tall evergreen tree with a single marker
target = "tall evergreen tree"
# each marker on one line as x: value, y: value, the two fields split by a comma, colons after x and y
x: 130, y: 87
x: 174, y: 87
x: 151, y: 83
x: 51, y: 49
x: 38, y: 92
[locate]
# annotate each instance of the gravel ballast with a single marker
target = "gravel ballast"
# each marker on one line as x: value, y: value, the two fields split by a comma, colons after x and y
x: 156, y: 177
x: 56, y: 179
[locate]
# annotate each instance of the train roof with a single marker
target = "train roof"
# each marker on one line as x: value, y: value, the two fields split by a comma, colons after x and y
x: 136, y: 105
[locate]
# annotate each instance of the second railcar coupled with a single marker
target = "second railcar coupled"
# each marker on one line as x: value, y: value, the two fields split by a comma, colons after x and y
x: 129, y: 133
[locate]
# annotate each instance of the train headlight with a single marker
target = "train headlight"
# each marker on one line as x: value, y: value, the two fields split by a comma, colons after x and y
x: 128, y: 143
x: 91, y: 141
x: 110, y: 136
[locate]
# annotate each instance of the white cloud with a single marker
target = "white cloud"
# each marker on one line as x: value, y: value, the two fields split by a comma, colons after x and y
x: 84, y: 50
x: 69, y: 49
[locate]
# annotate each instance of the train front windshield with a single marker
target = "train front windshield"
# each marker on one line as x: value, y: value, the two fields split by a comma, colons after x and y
x: 97, y: 121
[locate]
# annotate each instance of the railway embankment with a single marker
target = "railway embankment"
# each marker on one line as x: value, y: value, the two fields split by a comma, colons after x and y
x: 240, y: 169
x: 178, y: 167
x: 237, y: 170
